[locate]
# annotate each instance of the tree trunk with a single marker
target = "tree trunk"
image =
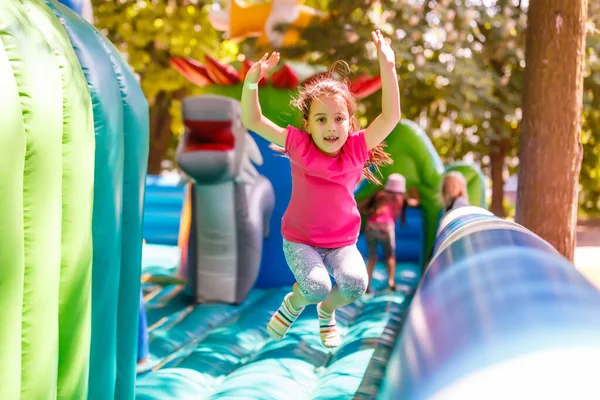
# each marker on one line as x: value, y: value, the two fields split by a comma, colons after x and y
x: 497, y: 158
x: 160, y: 129
x: 550, y: 153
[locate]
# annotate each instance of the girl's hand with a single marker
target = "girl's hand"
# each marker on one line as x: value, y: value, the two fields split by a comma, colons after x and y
x: 261, y: 67
x: 385, y: 54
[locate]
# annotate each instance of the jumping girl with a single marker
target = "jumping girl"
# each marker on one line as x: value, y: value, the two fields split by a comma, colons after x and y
x: 321, y: 224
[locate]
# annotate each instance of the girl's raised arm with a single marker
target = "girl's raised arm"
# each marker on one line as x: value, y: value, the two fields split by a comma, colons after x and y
x: 252, y: 116
x: 381, y: 127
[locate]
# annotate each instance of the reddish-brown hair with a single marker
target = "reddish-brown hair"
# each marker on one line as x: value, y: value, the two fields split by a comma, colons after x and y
x: 328, y: 84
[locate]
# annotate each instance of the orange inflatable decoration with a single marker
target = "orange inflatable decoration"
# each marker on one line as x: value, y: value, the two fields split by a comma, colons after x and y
x: 242, y: 20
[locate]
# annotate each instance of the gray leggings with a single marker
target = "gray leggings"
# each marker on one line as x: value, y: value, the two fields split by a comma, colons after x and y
x: 312, y: 266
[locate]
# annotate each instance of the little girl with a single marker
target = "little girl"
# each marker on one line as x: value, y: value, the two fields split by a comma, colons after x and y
x: 454, y: 195
x: 454, y: 191
x: 321, y: 224
x: 382, y: 210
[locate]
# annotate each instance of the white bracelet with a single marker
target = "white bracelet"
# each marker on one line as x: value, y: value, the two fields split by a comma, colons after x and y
x: 251, y: 85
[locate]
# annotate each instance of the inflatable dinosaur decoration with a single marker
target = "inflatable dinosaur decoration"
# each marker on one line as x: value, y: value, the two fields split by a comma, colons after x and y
x: 413, y: 153
x: 228, y: 203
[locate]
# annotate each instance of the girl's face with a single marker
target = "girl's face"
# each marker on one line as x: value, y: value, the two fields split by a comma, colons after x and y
x: 394, y: 195
x: 453, y: 189
x: 399, y: 196
x: 390, y: 198
x: 328, y: 124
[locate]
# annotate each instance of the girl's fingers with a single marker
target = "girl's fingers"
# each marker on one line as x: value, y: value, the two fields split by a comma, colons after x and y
x: 378, y: 38
x: 273, y: 60
x: 375, y: 37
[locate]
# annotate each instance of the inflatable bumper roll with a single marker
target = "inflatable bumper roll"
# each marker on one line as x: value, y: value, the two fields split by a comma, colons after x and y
x: 499, y: 313
x: 229, y: 204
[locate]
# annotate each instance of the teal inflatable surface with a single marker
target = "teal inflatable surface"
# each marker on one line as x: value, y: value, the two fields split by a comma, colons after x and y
x: 218, y: 351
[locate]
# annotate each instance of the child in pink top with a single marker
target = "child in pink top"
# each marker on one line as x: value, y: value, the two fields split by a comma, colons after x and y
x: 321, y: 225
x: 383, y: 209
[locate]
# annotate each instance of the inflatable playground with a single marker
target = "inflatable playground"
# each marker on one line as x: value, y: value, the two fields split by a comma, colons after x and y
x: 119, y: 285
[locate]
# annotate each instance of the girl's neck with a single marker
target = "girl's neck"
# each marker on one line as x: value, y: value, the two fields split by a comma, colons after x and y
x: 331, y: 155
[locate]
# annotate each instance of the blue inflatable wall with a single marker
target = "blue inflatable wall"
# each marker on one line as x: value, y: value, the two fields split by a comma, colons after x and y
x: 81, y: 7
x: 277, y: 169
x: 162, y: 209
x: 499, y: 312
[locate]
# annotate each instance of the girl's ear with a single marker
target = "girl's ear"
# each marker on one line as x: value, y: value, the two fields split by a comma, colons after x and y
x: 305, y: 123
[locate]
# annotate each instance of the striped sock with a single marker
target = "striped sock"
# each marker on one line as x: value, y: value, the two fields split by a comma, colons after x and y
x: 327, y: 328
x: 283, y: 319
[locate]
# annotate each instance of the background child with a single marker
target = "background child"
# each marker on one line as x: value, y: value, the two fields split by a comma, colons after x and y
x: 454, y: 191
x: 321, y: 224
x: 454, y: 195
x: 383, y: 210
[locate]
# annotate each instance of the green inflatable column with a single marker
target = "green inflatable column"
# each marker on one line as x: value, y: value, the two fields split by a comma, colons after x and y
x: 74, y: 318
x: 12, y: 159
x: 39, y: 81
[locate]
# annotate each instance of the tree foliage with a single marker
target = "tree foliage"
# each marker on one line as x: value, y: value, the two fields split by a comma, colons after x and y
x: 589, y: 198
x: 461, y: 65
x: 460, y: 62
x: 149, y: 31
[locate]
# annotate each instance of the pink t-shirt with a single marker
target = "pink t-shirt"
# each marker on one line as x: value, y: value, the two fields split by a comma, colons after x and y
x: 322, y: 210
x: 387, y: 213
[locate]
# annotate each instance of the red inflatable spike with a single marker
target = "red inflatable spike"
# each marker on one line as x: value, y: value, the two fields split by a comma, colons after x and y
x: 220, y: 73
x: 192, y: 71
x: 363, y: 87
x: 285, y: 78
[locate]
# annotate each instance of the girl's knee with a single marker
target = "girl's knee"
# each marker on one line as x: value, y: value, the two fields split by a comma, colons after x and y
x: 353, y: 285
x: 316, y: 286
